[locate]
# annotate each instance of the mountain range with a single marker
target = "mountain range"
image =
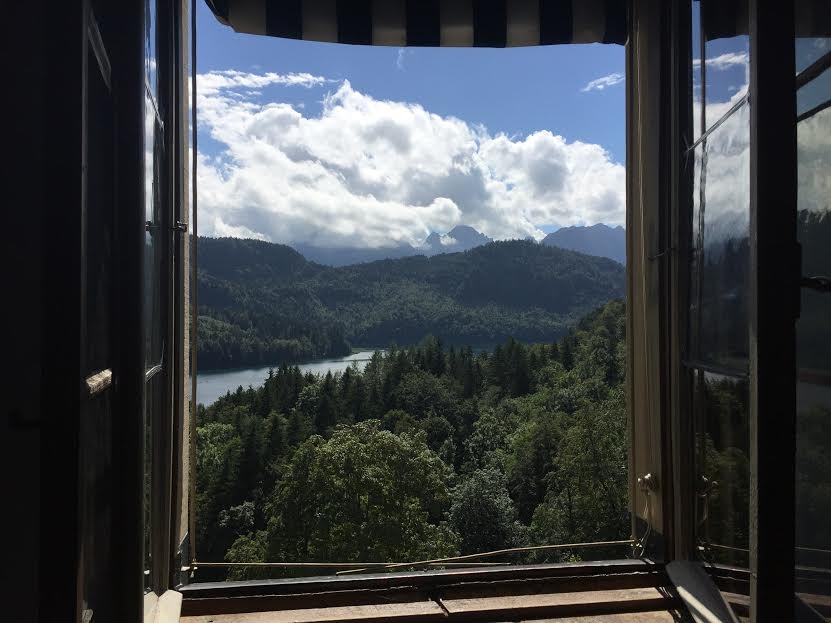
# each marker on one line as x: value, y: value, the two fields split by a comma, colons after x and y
x: 460, y: 238
x: 600, y: 240
x: 262, y: 303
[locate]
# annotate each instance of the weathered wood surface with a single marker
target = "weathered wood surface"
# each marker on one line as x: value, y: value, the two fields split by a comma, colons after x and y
x: 661, y: 616
x: 565, y: 604
x: 410, y: 612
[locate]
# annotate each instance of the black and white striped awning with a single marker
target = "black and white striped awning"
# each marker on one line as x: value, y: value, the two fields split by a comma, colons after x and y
x: 721, y: 19
x: 459, y: 23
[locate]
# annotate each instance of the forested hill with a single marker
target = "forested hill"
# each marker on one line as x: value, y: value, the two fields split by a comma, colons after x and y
x: 430, y: 451
x: 262, y: 303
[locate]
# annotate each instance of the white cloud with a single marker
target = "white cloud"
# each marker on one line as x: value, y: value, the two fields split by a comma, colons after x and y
x: 724, y: 61
x: 369, y: 172
x: 236, y: 231
x: 602, y: 83
x: 213, y: 82
x: 399, y: 60
x: 813, y: 135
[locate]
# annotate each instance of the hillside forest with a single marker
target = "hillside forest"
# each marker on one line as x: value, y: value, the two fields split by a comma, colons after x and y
x: 261, y: 303
x: 439, y: 449
x: 430, y: 451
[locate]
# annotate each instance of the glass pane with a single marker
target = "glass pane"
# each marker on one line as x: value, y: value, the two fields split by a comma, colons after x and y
x: 697, y: 69
x: 726, y: 72
x: 813, y: 465
x: 813, y: 97
x: 720, y: 407
x: 153, y: 249
x: 152, y: 237
x: 152, y: 396
x: 811, y: 49
x: 150, y: 47
x: 719, y: 296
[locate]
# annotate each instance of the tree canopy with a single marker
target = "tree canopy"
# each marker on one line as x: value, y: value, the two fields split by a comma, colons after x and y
x: 429, y: 451
x: 261, y: 303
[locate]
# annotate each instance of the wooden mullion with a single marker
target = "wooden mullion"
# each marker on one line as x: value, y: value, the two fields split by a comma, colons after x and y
x: 64, y: 60
x: 774, y: 258
x: 127, y: 80
x: 680, y: 202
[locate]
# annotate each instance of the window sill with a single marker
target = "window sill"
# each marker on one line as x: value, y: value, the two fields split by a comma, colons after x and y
x: 613, y: 588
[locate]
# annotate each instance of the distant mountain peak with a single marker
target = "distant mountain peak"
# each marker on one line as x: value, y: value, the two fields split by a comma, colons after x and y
x: 598, y: 239
x: 460, y: 238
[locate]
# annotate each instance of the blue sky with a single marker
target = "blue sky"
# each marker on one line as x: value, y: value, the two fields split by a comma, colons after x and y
x: 359, y: 146
x: 340, y: 145
x: 514, y: 90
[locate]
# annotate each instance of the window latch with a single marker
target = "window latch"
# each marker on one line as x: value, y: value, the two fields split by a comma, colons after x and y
x: 819, y: 283
x: 648, y: 483
x: 180, y: 226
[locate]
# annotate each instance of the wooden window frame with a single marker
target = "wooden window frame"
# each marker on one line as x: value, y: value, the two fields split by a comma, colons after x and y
x: 671, y: 423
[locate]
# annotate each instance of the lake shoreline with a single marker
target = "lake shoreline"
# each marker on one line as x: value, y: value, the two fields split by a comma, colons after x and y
x: 355, y: 351
x: 213, y: 384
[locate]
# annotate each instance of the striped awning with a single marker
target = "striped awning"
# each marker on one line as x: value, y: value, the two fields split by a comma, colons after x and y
x: 454, y: 23
x: 722, y: 19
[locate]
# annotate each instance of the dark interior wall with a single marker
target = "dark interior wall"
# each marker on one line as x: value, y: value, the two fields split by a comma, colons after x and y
x: 58, y: 212
x: 25, y: 215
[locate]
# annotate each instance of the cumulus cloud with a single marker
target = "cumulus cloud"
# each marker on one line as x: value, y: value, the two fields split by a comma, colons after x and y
x: 724, y: 61
x: 370, y: 172
x: 604, y: 82
x: 213, y: 82
x: 722, y: 165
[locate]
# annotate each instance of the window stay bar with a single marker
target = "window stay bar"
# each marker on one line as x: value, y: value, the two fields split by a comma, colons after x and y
x: 813, y: 70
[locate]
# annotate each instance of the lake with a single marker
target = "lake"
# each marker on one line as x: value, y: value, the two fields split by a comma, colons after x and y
x: 212, y: 384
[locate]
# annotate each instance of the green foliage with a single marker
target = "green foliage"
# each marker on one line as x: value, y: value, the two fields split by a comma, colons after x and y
x: 217, y: 472
x: 483, y: 513
x: 248, y: 548
x: 586, y: 497
x: 428, y: 451
x: 365, y: 494
x: 261, y: 303
x: 813, y: 469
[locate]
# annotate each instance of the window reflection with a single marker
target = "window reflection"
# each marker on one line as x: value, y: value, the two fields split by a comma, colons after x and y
x: 721, y: 204
x: 152, y: 237
x: 150, y: 47
x: 153, y: 248
x: 721, y: 80
x: 813, y: 442
x: 810, y: 49
x: 720, y: 406
x: 718, y: 332
x: 812, y: 98
x: 697, y: 68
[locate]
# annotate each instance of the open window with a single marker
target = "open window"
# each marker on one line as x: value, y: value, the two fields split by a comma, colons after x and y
x: 697, y: 272
x: 726, y: 391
